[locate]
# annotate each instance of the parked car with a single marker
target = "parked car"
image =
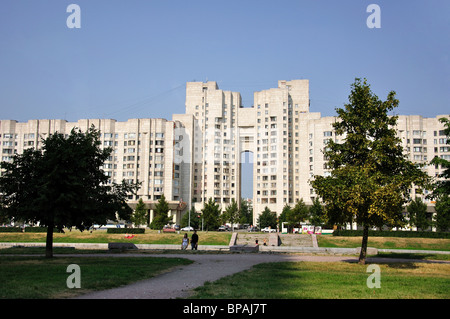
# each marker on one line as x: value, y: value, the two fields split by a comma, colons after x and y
x: 223, y: 228
x: 187, y: 228
x: 168, y: 229
x: 269, y: 230
x: 252, y: 228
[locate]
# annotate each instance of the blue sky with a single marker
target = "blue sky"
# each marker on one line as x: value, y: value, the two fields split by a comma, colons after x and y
x: 131, y: 59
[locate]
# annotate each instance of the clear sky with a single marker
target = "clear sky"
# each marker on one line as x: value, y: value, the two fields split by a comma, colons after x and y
x: 131, y: 58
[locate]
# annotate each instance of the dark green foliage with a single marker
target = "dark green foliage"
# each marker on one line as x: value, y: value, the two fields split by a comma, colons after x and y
x: 195, y: 219
x: 370, y: 175
x: 125, y: 230
x: 245, y: 213
x: 211, y: 215
x: 11, y: 230
x: 297, y: 214
x: 267, y: 219
x: 231, y: 214
x: 399, y: 233
x: 62, y: 185
x: 442, y: 186
x: 442, y: 218
x: 417, y: 213
x: 140, y: 216
x: 161, y: 214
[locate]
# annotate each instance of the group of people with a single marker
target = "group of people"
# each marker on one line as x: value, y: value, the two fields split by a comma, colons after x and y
x: 194, y: 241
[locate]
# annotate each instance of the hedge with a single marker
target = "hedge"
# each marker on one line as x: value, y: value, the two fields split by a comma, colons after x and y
x: 10, y: 229
x: 39, y: 230
x: 387, y: 233
x: 27, y: 230
x: 125, y: 231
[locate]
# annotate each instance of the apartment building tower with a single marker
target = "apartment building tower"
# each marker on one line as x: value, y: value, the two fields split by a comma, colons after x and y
x: 197, y: 155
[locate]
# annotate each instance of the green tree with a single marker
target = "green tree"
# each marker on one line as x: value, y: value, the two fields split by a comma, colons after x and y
x: 231, y: 214
x: 417, y: 213
x: 161, y: 214
x: 267, y: 219
x: 441, y: 188
x: 191, y: 216
x: 317, y: 216
x: 211, y: 215
x: 370, y: 176
x: 442, y: 185
x: 62, y: 185
x: 298, y: 214
x: 284, y: 216
x: 442, y: 218
x: 140, y: 216
x: 246, y: 213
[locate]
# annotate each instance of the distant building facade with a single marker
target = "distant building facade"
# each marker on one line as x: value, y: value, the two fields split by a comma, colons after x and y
x: 196, y: 155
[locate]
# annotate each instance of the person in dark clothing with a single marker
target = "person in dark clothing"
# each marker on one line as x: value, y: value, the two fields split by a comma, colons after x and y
x: 194, y: 240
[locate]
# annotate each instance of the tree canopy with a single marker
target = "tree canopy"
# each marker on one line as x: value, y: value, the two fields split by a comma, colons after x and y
x: 62, y: 185
x: 370, y: 176
x: 211, y: 215
x: 231, y: 213
x: 442, y: 185
x: 161, y: 214
x: 267, y: 219
x: 140, y: 216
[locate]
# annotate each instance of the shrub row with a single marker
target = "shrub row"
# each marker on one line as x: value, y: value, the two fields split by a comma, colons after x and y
x: 398, y: 233
x: 125, y: 231
x: 27, y: 230
x: 10, y: 229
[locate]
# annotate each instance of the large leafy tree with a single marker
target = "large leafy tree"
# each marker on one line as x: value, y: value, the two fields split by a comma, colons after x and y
x: 442, y: 186
x: 442, y: 218
x: 62, y: 185
x: 370, y: 175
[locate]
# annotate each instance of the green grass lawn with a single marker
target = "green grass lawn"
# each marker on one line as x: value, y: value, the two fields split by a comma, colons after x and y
x: 38, y: 277
x: 385, y: 242
x: 323, y: 280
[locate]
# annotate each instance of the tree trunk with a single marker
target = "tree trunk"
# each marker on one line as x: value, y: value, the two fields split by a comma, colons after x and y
x: 362, y: 255
x: 49, y: 241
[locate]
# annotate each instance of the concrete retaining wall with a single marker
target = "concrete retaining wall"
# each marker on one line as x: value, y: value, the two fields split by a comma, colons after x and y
x: 262, y: 248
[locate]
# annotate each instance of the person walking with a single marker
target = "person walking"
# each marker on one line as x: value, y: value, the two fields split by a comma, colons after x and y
x: 194, y: 240
x: 185, y: 242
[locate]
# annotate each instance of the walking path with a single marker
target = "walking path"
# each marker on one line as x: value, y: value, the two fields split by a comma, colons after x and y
x: 179, y: 282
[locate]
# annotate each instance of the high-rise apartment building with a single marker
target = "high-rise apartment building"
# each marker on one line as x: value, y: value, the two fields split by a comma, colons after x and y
x: 197, y: 155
